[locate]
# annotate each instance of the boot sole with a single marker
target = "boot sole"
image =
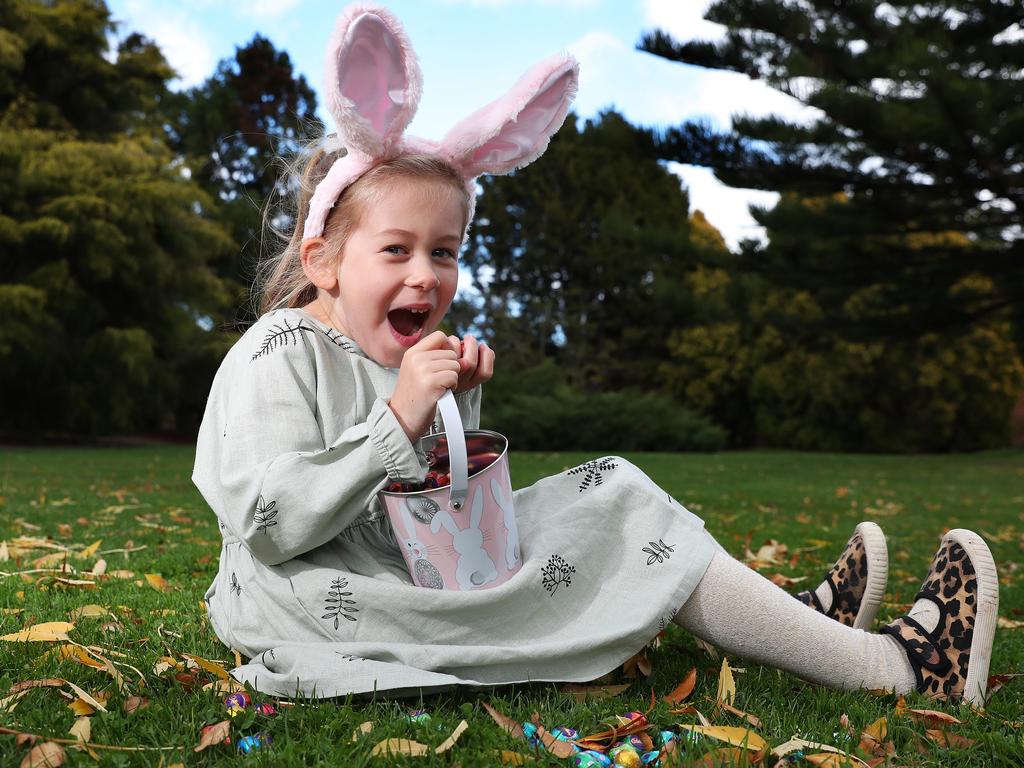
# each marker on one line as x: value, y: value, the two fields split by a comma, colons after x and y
x: 986, y: 617
x: 878, y: 573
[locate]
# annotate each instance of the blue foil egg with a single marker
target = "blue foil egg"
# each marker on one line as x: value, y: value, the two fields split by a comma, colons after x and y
x: 564, y: 733
x: 650, y: 758
x: 247, y: 744
x: 590, y: 759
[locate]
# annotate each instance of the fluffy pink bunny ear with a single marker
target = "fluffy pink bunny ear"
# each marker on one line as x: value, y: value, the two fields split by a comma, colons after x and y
x: 372, y: 79
x: 514, y: 130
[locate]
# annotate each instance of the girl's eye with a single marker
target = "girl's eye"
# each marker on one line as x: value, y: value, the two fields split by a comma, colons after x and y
x: 443, y: 253
x: 395, y: 249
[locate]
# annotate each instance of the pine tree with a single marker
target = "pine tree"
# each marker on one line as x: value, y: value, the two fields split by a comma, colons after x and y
x: 904, y: 196
x: 583, y: 256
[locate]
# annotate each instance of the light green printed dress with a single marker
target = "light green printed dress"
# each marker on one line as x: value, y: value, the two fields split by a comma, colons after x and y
x: 296, y: 442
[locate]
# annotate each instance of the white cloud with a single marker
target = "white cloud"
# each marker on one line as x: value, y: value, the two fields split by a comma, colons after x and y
x: 726, y: 208
x: 682, y: 19
x: 181, y: 38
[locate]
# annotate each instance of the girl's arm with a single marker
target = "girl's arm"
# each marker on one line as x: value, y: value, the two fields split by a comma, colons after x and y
x: 262, y: 465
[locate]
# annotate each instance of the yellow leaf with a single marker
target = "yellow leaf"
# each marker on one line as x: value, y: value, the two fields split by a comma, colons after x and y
x: 209, y: 666
x: 81, y: 707
x: 450, y: 741
x: 362, y: 730
x: 82, y: 729
x: 225, y: 686
x: 79, y: 654
x: 91, y: 611
x: 158, y: 582
x: 49, y: 754
x: 399, y: 747
x: 47, y: 632
x: 878, y: 730
x: 91, y: 549
x: 85, y: 696
x: 737, y: 737
x: 726, y: 684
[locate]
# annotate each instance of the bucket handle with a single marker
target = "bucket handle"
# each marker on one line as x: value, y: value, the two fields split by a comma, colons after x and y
x: 457, y: 459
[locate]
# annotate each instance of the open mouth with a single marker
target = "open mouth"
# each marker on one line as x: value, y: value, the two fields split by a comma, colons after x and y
x: 407, y: 324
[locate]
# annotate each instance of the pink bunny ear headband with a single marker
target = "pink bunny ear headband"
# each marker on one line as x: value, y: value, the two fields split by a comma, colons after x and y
x: 373, y: 84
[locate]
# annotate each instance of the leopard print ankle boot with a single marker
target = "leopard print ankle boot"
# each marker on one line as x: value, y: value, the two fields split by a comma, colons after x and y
x: 948, y: 633
x: 853, y: 588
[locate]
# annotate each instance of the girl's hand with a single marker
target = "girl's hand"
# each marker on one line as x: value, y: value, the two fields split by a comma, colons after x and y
x: 428, y: 368
x: 476, y: 362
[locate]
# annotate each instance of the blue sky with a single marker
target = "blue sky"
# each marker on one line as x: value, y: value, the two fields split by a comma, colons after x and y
x: 472, y: 50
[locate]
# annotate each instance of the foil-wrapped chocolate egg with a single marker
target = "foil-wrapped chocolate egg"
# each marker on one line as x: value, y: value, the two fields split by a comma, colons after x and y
x: 564, y: 733
x: 591, y: 759
x: 650, y: 758
x: 625, y: 756
x: 267, y: 710
x: 247, y: 744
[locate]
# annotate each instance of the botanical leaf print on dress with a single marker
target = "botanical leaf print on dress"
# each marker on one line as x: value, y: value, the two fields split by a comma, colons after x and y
x: 337, y: 603
x: 593, y: 470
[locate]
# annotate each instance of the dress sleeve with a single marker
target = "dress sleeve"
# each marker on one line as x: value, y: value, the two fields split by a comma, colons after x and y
x: 266, y: 470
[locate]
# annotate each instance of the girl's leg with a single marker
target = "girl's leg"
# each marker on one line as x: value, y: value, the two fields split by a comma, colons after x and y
x: 745, y: 615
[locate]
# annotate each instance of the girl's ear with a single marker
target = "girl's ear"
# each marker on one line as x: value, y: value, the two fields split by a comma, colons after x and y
x: 372, y: 80
x: 317, y: 264
x: 515, y: 129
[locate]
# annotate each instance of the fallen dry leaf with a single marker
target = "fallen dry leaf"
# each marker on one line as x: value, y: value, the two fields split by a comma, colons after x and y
x: 399, y: 747
x: 47, y: 632
x: 949, y: 740
x: 91, y: 549
x: 785, y: 581
x: 79, y: 654
x: 506, y: 722
x: 1004, y: 623
x: 80, y: 707
x: 584, y: 692
x: 637, y: 664
x: 726, y: 685
x: 448, y: 743
x: 833, y: 760
x: 133, y: 703
x: 8, y: 703
x: 46, y: 755
x: 557, y: 747
x: 737, y: 737
x: 362, y: 730
x: 931, y: 717
x: 995, y: 682
x: 210, y: 666
x: 682, y: 691
x: 90, y: 611
x: 158, y: 582
x: 82, y: 729
x: 213, y: 735
x: 754, y: 720
x: 872, y: 738
x: 49, y: 682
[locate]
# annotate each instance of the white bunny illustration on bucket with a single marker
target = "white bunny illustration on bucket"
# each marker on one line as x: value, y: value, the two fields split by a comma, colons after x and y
x: 508, y: 517
x: 475, y: 568
x: 424, y: 572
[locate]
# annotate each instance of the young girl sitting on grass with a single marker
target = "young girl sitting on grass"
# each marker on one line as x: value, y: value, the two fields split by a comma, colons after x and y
x: 320, y: 405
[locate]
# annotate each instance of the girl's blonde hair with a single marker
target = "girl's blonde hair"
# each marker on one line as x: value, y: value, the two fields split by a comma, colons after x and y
x: 280, y: 279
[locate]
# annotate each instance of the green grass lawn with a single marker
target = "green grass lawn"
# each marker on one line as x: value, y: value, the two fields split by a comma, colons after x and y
x: 141, y: 507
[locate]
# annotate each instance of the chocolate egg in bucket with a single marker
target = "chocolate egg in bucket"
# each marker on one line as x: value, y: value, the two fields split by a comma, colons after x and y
x: 458, y: 531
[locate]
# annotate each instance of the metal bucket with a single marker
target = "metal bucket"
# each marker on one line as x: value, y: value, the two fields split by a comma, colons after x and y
x: 461, y: 535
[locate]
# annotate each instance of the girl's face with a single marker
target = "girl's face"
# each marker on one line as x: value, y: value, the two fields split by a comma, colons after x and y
x: 398, y: 271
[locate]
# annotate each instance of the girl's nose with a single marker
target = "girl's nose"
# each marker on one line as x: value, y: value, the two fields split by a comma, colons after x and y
x: 422, y: 275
